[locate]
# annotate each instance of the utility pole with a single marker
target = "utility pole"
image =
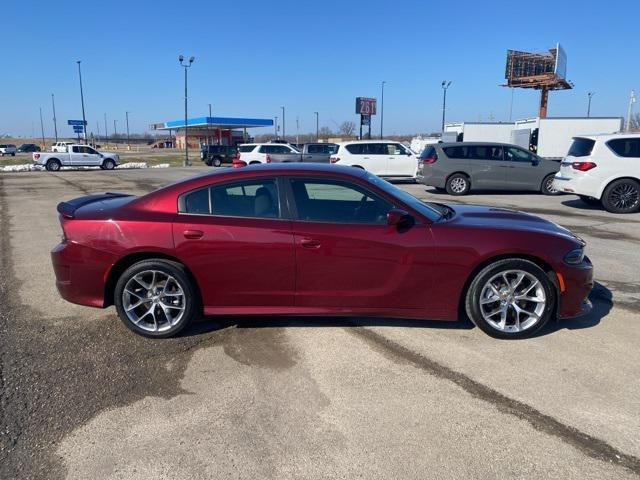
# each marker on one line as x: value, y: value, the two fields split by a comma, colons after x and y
x: 126, y: 114
x: 98, y: 130
x: 284, y: 134
x: 84, y: 120
x: 275, y: 126
x: 317, y: 126
x: 445, y: 86
x: 632, y: 100
x: 511, y: 105
x: 106, y: 134
x: 55, y: 123
x: 187, y: 163
x: 115, y: 130
x: 42, y: 130
x: 297, y: 130
x: 209, y: 110
x: 590, y: 94
x: 382, y: 110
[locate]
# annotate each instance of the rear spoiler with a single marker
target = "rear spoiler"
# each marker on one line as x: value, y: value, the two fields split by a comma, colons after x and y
x: 68, y: 209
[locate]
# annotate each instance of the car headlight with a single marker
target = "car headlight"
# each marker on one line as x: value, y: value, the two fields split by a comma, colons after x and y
x: 574, y: 257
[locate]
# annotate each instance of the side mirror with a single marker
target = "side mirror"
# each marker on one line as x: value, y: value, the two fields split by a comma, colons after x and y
x: 398, y: 217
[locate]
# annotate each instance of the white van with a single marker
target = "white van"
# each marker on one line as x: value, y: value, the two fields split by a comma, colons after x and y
x: 384, y: 158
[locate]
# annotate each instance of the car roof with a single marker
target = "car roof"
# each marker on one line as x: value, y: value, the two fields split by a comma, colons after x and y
x: 351, y: 142
x: 466, y: 144
x: 609, y: 136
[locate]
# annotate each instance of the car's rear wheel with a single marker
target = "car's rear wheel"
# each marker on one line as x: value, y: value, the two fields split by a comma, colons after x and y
x: 547, y: 186
x: 108, y: 164
x: 156, y: 298
x: 511, y: 299
x: 458, y: 184
x: 594, y: 202
x: 622, y: 196
x: 217, y: 161
x: 53, y: 165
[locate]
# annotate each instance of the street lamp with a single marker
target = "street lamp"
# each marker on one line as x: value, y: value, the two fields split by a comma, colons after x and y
x: 106, y: 134
x: 84, y: 120
x: 209, y: 110
x: 275, y: 127
x: 284, y: 134
x: 42, y: 129
x: 445, y: 86
x: 317, y: 126
x: 126, y: 114
x: 590, y: 94
x: 382, y: 110
x: 186, y: 128
x: 55, y: 123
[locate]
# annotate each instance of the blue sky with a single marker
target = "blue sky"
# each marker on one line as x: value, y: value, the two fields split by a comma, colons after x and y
x: 253, y: 56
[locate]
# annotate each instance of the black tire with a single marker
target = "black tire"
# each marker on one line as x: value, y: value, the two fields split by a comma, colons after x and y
x: 190, y: 298
x: 547, y: 186
x: 473, y: 297
x: 53, y: 165
x: 622, y: 196
x: 594, y: 202
x: 458, y: 184
x: 217, y: 161
x: 13, y: 154
x: 108, y: 164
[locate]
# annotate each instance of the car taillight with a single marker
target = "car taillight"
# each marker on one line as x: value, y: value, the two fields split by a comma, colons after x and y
x: 333, y: 159
x: 268, y: 158
x: 430, y: 159
x: 583, y: 166
x: 237, y: 163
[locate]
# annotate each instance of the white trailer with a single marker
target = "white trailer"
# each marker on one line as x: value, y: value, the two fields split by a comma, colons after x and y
x: 482, y: 131
x: 551, y: 137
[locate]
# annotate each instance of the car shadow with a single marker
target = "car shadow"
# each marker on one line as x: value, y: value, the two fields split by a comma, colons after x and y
x: 601, y: 298
x: 580, y: 205
x: 472, y: 193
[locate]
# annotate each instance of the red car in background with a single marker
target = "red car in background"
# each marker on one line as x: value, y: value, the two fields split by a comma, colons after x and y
x: 305, y: 239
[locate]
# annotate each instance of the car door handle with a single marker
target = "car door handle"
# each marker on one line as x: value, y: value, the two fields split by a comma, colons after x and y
x: 193, y: 234
x: 310, y: 243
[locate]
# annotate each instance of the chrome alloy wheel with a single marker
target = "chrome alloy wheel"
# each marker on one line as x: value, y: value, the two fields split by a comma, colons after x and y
x: 549, y: 186
x: 458, y: 185
x: 512, y: 301
x: 153, y: 300
x: 625, y: 196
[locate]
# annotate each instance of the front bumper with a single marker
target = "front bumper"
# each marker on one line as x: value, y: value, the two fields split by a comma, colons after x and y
x: 577, y: 282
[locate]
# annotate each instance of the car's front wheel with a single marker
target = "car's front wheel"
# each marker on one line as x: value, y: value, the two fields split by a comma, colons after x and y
x: 108, y: 164
x: 217, y: 161
x: 511, y: 299
x: 156, y: 298
x: 622, y: 196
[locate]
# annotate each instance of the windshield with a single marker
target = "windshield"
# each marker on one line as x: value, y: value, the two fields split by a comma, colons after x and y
x: 431, y: 211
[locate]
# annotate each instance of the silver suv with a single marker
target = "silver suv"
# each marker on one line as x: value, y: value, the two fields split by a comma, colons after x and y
x: 8, y: 149
x: 461, y: 167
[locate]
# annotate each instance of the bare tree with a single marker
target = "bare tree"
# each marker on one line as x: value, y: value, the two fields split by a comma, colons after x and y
x: 325, y: 132
x: 347, y: 129
x: 635, y: 121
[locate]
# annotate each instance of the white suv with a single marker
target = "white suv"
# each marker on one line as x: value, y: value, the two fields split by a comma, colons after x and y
x: 61, y: 146
x: 253, y: 153
x: 381, y: 157
x: 603, y: 168
x: 8, y: 149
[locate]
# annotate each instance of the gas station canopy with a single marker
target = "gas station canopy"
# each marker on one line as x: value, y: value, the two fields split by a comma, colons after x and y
x: 215, y: 123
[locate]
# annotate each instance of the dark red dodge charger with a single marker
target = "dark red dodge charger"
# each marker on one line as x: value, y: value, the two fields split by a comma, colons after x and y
x: 304, y: 239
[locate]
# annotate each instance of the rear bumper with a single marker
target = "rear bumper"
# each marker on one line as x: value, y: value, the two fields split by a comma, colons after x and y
x: 427, y: 177
x: 576, y: 186
x: 80, y: 273
x: 578, y: 282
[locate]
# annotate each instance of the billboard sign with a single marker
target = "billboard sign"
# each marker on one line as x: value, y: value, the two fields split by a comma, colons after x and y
x: 78, y: 129
x: 561, y: 63
x: 76, y: 122
x: 365, y: 106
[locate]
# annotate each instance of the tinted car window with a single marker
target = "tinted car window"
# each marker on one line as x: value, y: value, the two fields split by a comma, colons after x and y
x: 486, y: 152
x: 625, y: 147
x: 246, y: 148
x: 429, y: 151
x: 514, y: 154
x: 255, y: 198
x: 456, y: 152
x: 338, y: 202
x: 198, y: 202
x: 395, y: 149
x: 376, y: 149
x: 355, y: 148
x: 581, y: 147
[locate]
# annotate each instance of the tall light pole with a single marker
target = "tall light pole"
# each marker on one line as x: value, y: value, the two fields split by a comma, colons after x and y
x: 382, y: 110
x: 590, y: 94
x: 84, y: 120
x: 98, y: 130
x: 126, y: 114
x: 106, y: 135
x: 284, y: 133
x: 275, y: 126
x: 632, y: 100
x: 42, y: 129
x: 445, y: 86
x: 317, y: 126
x: 297, y: 130
x: 115, y: 130
x: 209, y: 110
x: 55, y: 123
x: 187, y: 163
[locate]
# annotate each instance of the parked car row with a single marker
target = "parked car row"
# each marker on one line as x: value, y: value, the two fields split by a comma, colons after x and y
x: 8, y: 149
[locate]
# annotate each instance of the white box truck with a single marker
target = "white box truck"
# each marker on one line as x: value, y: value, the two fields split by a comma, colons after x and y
x: 551, y: 137
x: 481, y: 131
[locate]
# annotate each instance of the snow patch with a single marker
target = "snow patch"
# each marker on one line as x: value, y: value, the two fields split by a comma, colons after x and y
x: 30, y: 167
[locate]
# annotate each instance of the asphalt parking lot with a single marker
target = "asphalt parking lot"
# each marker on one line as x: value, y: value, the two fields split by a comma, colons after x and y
x: 82, y: 397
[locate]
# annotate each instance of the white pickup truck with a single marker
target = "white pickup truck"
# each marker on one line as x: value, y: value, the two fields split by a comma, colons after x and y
x: 77, y: 156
